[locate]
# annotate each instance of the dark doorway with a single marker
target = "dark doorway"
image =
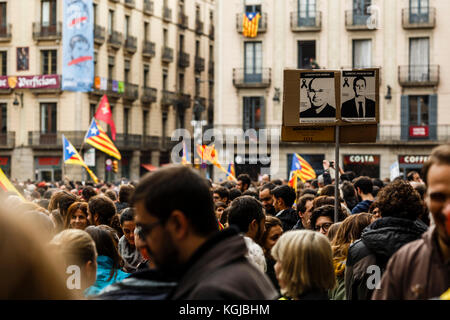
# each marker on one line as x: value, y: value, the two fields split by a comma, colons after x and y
x: 306, y: 51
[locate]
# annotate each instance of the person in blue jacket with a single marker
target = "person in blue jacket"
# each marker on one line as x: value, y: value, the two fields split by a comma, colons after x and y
x: 109, y: 262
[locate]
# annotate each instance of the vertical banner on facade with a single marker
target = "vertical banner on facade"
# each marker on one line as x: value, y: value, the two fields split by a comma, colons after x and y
x: 78, y: 46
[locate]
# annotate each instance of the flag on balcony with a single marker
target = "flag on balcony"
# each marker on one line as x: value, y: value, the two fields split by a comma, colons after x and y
x: 71, y: 156
x: 231, y: 172
x: 186, y: 157
x: 98, y: 138
x: 250, y: 24
x: 103, y: 83
x: 104, y: 114
x: 300, y: 169
x: 6, y: 185
x: 121, y: 87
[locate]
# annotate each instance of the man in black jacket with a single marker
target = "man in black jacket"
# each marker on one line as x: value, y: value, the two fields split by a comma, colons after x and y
x: 318, y: 98
x: 359, y: 106
x: 283, y: 199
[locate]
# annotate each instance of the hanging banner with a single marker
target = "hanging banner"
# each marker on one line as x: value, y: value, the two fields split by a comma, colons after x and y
x: 78, y: 46
x: 49, y: 81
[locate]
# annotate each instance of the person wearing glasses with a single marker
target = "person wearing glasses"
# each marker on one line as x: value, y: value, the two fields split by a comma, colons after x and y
x: 318, y: 98
x: 323, y: 217
x: 175, y: 211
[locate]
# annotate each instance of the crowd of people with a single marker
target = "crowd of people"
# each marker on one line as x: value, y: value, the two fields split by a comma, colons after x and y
x: 176, y: 235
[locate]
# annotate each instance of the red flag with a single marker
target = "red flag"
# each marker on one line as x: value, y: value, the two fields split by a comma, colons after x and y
x: 104, y: 114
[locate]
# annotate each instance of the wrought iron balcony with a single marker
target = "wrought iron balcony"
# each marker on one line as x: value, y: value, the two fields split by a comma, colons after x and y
x: 53, y: 140
x: 198, y: 27
x: 418, y: 76
x: 7, y: 140
x: 149, y: 7
x: 306, y: 21
x: 359, y: 21
x: 5, y: 33
x: 151, y: 142
x: 183, y: 59
x: 99, y: 34
x: 167, y: 14
x: 199, y: 64
x: 115, y: 40
x: 47, y: 32
x: 148, y: 49
x: 243, y: 79
x: 126, y: 141
x: 148, y: 95
x: 262, y: 24
x: 130, y: 44
x: 168, y: 98
x: 183, y: 20
x: 167, y: 55
x: 130, y: 3
x: 415, y: 18
x: 184, y: 99
x: 131, y: 91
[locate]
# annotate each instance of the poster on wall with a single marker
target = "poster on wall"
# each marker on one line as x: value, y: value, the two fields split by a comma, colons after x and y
x: 22, y: 59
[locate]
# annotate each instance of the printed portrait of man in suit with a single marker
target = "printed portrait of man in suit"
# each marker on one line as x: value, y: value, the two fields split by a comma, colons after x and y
x: 318, y: 97
x: 359, y: 106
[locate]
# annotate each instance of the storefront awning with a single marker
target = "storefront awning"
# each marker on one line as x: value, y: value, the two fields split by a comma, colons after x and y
x: 149, y: 167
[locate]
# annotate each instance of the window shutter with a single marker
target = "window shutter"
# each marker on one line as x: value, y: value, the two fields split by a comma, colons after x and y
x: 404, y: 121
x: 433, y: 117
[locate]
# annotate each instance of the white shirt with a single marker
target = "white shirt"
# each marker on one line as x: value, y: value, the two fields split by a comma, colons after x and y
x: 255, y: 254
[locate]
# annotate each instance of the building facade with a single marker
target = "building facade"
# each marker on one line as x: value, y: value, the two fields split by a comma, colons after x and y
x: 161, y: 50
x: 406, y: 39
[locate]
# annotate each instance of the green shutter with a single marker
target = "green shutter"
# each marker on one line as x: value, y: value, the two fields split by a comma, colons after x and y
x: 404, y: 117
x: 433, y: 117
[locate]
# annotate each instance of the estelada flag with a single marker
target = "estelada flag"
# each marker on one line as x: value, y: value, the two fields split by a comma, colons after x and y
x: 250, y: 24
x: 71, y: 156
x: 98, y: 138
x: 104, y: 114
x: 185, y: 160
x: 300, y: 168
x: 6, y: 185
x: 231, y: 173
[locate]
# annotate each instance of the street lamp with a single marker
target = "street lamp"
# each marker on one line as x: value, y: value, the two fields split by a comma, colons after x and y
x: 16, y: 102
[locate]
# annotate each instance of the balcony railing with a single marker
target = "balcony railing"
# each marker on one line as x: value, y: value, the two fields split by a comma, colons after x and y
x: 148, y: 95
x: 183, y: 59
x: 167, y: 14
x: 149, y: 7
x: 211, y: 32
x: 151, y: 142
x: 131, y: 91
x: 183, y: 20
x: 115, y: 40
x: 199, y: 64
x: 130, y: 3
x: 355, y: 20
x: 168, y: 98
x: 243, y: 79
x: 99, y: 34
x: 262, y: 25
x: 306, y: 21
x: 198, y: 27
x: 401, y: 133
x: 130, y: 44
x: 148, y: 49
x: 167, y: 55
x: 5, y: 32
x: 415, y: 18
x: 47, y: 32
x: 126, y: 141
x: 184, y: 99
x: 7, y: 140
x: 38, y: 139
x: 418, y: 76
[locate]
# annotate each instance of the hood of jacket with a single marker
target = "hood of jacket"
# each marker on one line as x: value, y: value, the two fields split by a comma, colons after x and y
x: 386, y: 235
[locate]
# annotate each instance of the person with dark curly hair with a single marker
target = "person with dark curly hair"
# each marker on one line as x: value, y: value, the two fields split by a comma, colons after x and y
x: 399, y: 206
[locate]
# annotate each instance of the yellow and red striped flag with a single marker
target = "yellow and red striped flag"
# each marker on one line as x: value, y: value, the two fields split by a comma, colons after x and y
x: 250, y: 24
x: 301, y: 169
x: 71, y: 156
x: 231, y: 172
x: 98, y: 138
x: 6, y: 185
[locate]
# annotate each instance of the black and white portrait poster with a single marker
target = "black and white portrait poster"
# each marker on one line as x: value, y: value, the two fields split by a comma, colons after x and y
x: 317, y: 97
x: 358, y: 96
x: 22, y: 59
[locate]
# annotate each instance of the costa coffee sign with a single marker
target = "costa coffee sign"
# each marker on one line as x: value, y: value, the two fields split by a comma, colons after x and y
x: 50, y: 81
x: 362, y: 159
x: 413, y: 159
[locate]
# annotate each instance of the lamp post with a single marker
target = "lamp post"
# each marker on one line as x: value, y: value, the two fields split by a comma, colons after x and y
x: 16, y: 102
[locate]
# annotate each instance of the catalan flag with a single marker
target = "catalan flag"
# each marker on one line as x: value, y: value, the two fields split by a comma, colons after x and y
x: 209, y: 153
x: 185, y: 159
x: 250, y: 24
x: 301, y: 169
x: 71, y: 156
x: 231, y: 172
x: 6, y: 185
x: 98, y: 138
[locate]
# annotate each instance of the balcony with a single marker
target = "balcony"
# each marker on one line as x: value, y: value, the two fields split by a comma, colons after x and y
x: 199, y: 64
x: 115, y: 40
x: 116, y: 1
x: 358, y: 21
x: 418, y: 76
x: 167, y: 14
x: 168, y: 98
x: 262, y: 25
x: 183, y: 20
x: 211, y: 32
x: 398, y: 134
x: 306, y: 21
x: 130, y: 44
x: 183, y: 59
x: 42, y: 140
x: 5, y: 33
x: 112, y: 91
x: 99, y: 34
x: 125, y: 141
x: 131, y: 91
x: 43, y: 32
x: 413, y: 19
x: 198, y: 27
x: 211, y: 69
x: 148, y: 95
x: 129, y: 3
x: 243, y: 80
x: 167, y: 55
x: 148, y: 49
x: 151, y: 142
x: 7, y: 140
x: 149, y: 7
x: 184, y: 100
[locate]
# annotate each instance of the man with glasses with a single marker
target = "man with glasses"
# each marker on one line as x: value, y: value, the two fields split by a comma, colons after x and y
x: 175, y: 211
x: 318, y: 97
x: 323, y: 217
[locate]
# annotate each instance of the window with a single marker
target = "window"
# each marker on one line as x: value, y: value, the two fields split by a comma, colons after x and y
x: 418, y: 11
x: 197, y: 48
x: 419, y: 59
x: 360, y: 11
x: 146, y: 73
x: 254, y: 9
x: 110, y: 21
x: 3, y: 63
x: 253, y: 62
x: 418, y: 110
x: 48, y: 13
x: 145, y: 122
x: 146, y: 31
x: 306, y: 52
x: 92, y: 110
x: 111, y: 67
x: 95, y: 63
x: 165, y: 37
x: 3, y: 17
x: 181, y: 43
x: 48, y: 61
x: 165, y: 79
x: 48, y: 117
x: 362, y: 53
x: 211, y: 52
x: 126, y: 71
x: 127, y: 26
x: 253, y: 113
x: 306, y: 12
x: 181, y: 82
x: 95, y: 13
x: 197, y: 12
x: 126, y: 120
x: 197, y: 86
x: 3, y: 118
x: 419, y: 117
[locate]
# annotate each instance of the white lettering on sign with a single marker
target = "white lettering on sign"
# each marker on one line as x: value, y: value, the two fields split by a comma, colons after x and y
x: 35, y: 82
x: 419, y: 131
x: 415, y: 159
x: 362, y: 159
x: 3, y: 83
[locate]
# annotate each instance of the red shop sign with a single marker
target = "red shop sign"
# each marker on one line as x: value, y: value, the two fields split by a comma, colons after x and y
x: 3, y: 161
x: 50, y: 161
x: 418, y: 131
x: 362, y: 159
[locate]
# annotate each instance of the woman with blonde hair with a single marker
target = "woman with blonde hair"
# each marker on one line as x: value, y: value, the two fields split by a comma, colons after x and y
x: 304, y: 266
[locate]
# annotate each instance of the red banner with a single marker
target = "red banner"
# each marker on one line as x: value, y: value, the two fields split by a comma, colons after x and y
x: 418, y: 131
x: 50, y: 81
x: 50, y: 161
x: 3, y: 161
